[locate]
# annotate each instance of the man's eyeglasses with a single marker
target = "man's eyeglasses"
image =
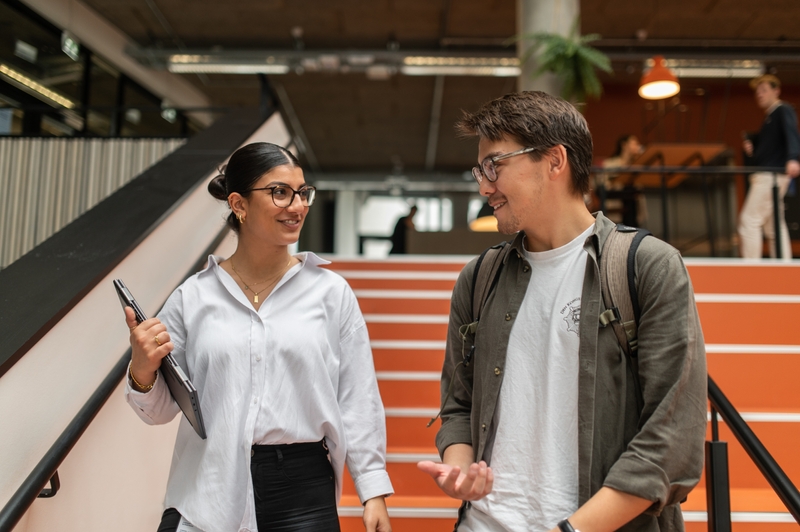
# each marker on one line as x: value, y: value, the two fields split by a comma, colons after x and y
x: 488, y: 169
x: 283, y: 195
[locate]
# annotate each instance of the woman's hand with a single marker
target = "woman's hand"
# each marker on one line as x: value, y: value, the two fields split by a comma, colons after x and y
x: 376, y: 516
x: 150, y: 342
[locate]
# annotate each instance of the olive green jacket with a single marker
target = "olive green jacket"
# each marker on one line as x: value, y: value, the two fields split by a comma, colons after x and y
x: 656, y: 454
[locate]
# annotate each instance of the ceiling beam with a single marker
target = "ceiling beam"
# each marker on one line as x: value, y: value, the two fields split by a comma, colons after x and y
x: 300, y: 139
x: 381, y: 63
x: 731, y: 49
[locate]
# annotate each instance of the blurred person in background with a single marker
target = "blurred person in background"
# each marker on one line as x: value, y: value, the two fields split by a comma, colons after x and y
x: 777, y: 144
x: 623, y: 202
x: 399, y: 236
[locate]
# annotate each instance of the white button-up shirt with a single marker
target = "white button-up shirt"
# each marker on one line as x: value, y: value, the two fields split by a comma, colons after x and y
x: 299, y: 369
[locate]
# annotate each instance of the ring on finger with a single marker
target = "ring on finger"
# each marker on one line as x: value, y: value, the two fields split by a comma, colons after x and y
x: 156, y: 339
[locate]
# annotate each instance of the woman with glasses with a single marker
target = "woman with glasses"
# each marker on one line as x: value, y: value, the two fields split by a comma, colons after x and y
x: 278, y: 350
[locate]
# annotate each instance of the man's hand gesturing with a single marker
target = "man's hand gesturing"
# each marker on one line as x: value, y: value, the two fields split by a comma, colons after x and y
x: 475, y: 484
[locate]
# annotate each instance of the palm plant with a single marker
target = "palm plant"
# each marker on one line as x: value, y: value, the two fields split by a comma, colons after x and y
x: 571, y: 59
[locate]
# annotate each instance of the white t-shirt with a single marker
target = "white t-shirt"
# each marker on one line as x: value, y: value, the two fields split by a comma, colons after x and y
x: 535, y: 451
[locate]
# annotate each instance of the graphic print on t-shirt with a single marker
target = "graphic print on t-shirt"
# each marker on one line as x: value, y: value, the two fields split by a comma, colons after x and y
x: 571, y: 314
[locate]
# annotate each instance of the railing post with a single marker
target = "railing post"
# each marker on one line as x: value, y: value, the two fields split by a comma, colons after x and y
x: 55, y: 485
x: 718, y: 495
x: 777, y: 216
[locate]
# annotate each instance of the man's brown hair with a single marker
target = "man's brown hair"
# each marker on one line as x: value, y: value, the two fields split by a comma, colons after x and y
x: 536, y: 119
x: 773, y: 81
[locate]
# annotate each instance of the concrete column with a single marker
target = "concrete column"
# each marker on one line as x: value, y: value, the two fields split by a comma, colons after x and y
x: 460, y: 208
x: 345, y: 236
x: 549, y: 16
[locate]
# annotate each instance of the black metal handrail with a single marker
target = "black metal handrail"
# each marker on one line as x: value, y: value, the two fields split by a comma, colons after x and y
x: 19, y: 503
x: 47, y: 467
x: 776, y: 477
x: 703, y: 171
x: 658, y: 169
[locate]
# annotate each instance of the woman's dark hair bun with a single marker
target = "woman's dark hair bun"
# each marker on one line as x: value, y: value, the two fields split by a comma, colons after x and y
x: 217, y: 187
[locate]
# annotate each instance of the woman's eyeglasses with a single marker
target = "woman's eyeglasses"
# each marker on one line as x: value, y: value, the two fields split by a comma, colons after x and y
x: 283, y: 195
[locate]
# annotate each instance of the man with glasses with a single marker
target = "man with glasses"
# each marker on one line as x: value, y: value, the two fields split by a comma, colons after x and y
x: 542, y: 429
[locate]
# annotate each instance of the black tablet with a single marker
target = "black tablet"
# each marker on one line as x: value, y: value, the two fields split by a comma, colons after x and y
x: 181, y: 388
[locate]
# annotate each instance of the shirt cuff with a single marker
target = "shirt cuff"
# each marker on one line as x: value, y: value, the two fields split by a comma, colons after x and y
x: 373, y: 484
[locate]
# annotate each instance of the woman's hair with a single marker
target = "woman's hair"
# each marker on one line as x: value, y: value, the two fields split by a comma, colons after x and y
x: 621, y: 144
x: 245, y: 167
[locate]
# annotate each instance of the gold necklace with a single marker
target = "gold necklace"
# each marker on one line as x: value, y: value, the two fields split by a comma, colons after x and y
x: 273, y: 278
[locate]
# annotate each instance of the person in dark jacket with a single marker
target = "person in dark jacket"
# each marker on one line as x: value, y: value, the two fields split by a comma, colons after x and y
x: 777, y: 144
x: 399, y: 235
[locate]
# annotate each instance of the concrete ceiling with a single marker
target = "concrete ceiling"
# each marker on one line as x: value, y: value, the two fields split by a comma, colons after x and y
x: 352, y: 123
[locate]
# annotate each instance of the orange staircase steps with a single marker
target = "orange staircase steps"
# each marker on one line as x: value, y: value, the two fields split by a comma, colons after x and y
x: 749, y: 313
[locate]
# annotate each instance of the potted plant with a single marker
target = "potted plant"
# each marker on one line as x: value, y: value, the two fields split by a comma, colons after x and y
x: 571, y: 59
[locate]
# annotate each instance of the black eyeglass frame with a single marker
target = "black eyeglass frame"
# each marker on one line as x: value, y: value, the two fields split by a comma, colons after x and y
x: 312, y: 192
x: 487, y: 167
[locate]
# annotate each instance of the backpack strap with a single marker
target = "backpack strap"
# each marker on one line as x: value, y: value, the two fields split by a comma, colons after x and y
x: 620, y: 296
x: 484, y: 279
x: 618, y: 285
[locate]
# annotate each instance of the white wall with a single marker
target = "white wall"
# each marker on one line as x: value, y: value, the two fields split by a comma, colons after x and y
x: 115, y: 477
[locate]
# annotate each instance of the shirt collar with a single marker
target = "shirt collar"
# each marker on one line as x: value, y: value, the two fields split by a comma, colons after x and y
x: 306, y: 257
x: 772, y: 107
x: 602, y: 228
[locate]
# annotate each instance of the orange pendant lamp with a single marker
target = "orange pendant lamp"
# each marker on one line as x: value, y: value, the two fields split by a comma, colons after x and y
x: 485, y: 222
x: 659, y: 82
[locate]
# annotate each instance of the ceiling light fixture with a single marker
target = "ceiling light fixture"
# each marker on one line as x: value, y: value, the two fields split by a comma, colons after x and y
x: 377, y: 64
x: 209, y: 64
x: 461, y: 61
x: 230, y: 68
x: 659, y: 82
x: 34, y: 87
x: 715, y: 68
x: 447, y: 70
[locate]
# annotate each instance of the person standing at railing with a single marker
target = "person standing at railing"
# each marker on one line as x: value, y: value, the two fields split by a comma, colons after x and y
x: 542, y: 426
x: 278, y: 350
x: 777, y: 144
x: 624, y: 198
x: 399, y: 236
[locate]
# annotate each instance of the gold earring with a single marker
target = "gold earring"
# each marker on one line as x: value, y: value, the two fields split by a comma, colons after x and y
x: 241, y: 218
